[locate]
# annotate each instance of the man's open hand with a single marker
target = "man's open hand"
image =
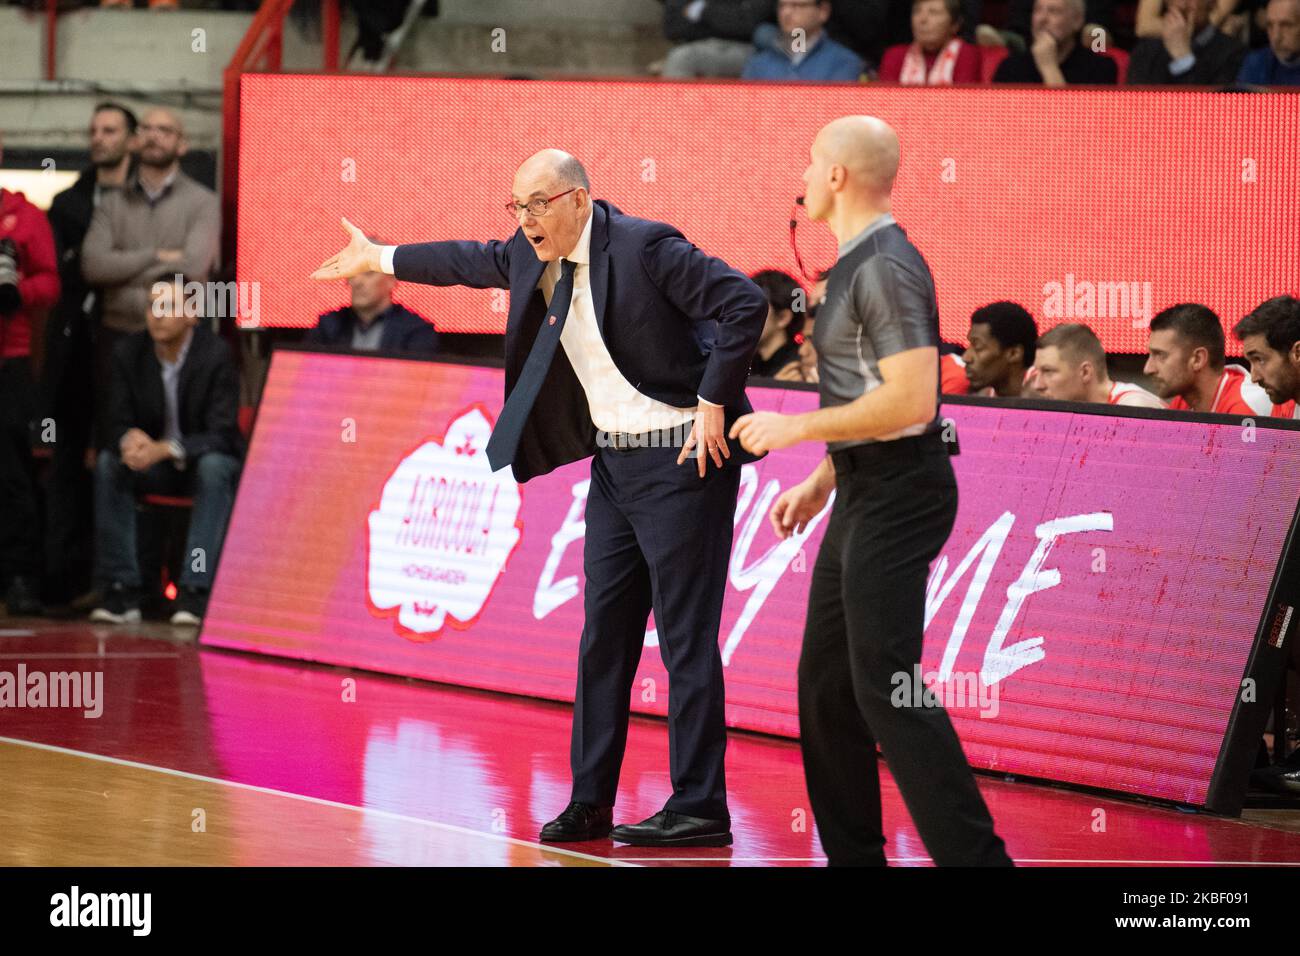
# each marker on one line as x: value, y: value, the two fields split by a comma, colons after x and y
x: 707, y: 433
x: 358, y: 256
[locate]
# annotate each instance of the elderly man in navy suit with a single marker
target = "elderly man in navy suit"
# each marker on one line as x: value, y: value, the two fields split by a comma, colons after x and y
x: 626, y: 342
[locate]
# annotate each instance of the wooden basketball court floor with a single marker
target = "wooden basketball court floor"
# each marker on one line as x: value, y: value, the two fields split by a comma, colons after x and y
x: 207, y: 757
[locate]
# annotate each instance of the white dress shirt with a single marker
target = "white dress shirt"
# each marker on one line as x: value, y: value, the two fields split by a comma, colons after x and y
x: 614, y: 403
x: 171, y: 376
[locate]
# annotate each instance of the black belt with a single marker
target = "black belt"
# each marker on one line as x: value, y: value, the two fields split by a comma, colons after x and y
x: 674, y: 437
x: 870, y: 454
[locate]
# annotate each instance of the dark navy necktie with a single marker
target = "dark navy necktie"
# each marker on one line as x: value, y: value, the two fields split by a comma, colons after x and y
x: 509, y: 428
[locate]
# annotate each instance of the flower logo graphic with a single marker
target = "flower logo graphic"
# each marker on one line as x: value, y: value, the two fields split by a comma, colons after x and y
x: 443, y: 530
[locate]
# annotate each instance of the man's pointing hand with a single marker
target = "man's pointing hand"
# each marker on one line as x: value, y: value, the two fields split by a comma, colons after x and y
x: 358, y: 256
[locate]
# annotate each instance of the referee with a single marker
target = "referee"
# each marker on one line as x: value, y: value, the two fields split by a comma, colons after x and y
x: 877, y: 338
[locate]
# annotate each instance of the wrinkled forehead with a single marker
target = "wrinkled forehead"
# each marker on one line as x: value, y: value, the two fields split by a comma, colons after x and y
x: 533, y: 180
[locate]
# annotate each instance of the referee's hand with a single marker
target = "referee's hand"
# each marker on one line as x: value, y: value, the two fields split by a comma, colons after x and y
x: 358, y: 256
x: 797, y: 506
x: 761, y: 432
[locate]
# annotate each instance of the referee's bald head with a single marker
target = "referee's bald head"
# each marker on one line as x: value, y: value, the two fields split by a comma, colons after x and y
x: 867, y: 148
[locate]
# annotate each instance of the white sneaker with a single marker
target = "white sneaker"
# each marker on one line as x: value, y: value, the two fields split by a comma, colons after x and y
x: 106, y: 616
x: 119, y: 606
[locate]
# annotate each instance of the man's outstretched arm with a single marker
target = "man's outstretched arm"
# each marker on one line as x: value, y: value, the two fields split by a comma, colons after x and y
x: 481, y: 265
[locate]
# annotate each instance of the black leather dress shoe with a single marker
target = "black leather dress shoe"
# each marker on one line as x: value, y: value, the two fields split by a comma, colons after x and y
x: 667, y: 828
x: 1279, y: 778
x: 578, y: 822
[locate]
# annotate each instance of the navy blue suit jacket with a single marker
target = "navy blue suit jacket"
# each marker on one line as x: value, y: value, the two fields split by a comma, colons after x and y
x: 676, y: 322
x: 403, y: 330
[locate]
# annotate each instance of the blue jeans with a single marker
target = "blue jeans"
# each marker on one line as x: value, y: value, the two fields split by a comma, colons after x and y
x: 210, y: 480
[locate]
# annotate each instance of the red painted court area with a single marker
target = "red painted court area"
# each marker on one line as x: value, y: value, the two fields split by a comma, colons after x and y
x: 346, y: 767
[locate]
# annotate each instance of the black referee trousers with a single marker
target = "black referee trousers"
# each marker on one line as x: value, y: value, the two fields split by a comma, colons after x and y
x: 894, y: 508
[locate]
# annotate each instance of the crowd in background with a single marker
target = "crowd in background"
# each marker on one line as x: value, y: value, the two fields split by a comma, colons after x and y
x: 1217, y: 43
x: 1220, y: 43
x: 139, y: 394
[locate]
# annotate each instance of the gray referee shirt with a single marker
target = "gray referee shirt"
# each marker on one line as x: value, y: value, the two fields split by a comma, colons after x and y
x: 879, y: 301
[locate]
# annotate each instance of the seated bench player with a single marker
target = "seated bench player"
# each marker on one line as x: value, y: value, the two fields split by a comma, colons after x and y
x: 1003, y: 339
x: 1270, y: 337
x: 1070, y: 366
x: 1186, y: 362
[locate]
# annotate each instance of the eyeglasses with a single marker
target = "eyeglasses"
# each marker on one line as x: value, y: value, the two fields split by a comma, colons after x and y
x: 537, y: 208
x: 165, y: 130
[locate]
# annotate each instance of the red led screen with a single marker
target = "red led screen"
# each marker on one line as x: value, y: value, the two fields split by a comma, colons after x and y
x: 1090, y: 205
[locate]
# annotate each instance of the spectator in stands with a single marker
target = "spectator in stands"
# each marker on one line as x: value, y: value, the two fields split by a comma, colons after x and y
x: 937, y: 55
x: 786, y: 307
x: 1096, y: 14
x: 160, y: 224
x: 1055, y: 56
x: 1278, y: 64
x: 863, y: 25
x: 1189, y: 50
x: 712, y: 37
x: 29, y: 284
x: 800, y: 49
x: 1149, y: 22
x: 1187, y: 366
x: 1003, y: 338
x: 174, y: 424
x: 69, y: 366
x: 804, y: 369
x: 374, y: 322
x: 1070, y: 366
x: 1270, y: 337
x: 378, y: 23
